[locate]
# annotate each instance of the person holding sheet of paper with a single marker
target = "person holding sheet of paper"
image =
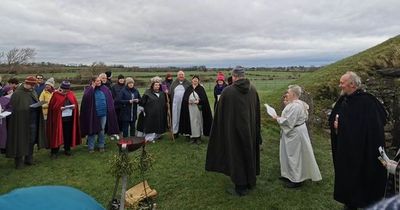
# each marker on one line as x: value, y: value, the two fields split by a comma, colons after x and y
x: 26, y: 125
x: 63, y: 120
x: 5, y: 106
x: 296, y: 153
x: 46, y: 95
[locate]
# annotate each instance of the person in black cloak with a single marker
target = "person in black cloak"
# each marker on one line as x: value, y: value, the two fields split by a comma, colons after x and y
x: 153, y: 120
x: 234, y: 145
x: 196, y: 117
x: 357, y: 130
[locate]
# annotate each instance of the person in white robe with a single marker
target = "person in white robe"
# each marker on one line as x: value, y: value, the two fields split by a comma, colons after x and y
x: 177, y: 89
x: 296, y: 153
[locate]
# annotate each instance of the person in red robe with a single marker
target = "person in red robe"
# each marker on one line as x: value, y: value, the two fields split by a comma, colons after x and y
x: 63, y: 120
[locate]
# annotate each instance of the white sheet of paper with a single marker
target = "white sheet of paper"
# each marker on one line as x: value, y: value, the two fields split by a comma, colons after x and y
x: 271, y: 111
x: 4, y: 114
x: 66, y: 113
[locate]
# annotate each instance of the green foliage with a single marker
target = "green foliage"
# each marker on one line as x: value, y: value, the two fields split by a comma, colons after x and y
x: 144, y: 162
x: 121, y: 165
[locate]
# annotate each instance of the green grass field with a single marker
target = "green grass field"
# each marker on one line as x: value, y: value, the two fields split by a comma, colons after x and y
x: 178, y: 172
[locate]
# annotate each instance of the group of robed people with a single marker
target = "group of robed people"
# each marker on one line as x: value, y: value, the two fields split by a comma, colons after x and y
x: 356, y: 121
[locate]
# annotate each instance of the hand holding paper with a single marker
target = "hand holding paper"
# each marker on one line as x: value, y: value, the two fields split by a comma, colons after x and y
x: 271, y: 111
x: 68, y: 107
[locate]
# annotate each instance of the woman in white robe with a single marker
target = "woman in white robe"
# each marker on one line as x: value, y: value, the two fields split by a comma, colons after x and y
x: 296, y: 154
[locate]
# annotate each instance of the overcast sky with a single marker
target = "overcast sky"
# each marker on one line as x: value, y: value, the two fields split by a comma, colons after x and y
x: 215, y: 33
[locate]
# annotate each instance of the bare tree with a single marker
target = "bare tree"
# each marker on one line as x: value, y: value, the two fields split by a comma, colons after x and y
x: 20, y: 56
x: 97, y: 68
x: 1, y: 57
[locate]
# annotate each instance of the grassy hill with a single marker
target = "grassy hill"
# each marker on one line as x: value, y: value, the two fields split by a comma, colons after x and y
x: 323, y: 84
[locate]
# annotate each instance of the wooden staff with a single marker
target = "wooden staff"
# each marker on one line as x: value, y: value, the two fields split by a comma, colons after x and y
x: 169, y: 117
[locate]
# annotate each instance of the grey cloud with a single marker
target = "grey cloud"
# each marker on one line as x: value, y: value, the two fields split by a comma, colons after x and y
x: 171, y: 32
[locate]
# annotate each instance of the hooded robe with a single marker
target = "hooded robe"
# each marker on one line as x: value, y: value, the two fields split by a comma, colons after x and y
x: 295, y: 151
x: 19, y: 132
x: 55, y: 121
x: 359, y: 176
x: 234, y: 145
x: 5, y: 106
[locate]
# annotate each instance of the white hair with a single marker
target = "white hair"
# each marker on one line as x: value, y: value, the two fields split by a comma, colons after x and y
x: 295, y: 89
x: 354, y: 78
x: 103, y: 75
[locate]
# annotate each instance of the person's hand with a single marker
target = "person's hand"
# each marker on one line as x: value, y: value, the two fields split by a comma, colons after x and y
x: 166, y: 91
x: 336, y: 122
x: 136, y: 100
x: 275, y: 117
x: 62, y: 108
x: 197, y: 101
x: 131, y: 101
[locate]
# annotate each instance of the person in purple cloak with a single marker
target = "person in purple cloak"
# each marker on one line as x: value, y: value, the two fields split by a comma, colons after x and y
x: 97, y: 109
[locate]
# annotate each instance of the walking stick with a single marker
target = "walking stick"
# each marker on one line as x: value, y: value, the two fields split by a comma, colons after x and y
x: 169, y: 118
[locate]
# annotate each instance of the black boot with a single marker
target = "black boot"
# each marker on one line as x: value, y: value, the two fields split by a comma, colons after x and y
x: 293, y: 184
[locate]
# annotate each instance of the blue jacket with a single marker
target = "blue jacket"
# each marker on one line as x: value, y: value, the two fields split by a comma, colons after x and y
x: 128, y: 110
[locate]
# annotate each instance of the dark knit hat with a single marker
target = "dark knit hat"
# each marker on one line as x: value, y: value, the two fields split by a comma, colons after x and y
x: 31, y: 80
x: 121, y: 77
x: 238, y: 70
x: 66, y: 85
x: 108, y: 73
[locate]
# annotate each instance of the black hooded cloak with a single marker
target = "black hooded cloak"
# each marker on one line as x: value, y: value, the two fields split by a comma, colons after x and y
x: 233, y: 148
x: 359, y: 176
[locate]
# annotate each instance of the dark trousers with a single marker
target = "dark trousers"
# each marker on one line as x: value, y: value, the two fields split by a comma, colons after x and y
x: 128, y: 126
x: 118, y: 111
x: 67, y: 135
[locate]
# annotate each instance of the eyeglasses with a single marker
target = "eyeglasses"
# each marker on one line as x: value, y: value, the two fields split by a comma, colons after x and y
x: 39, y: 77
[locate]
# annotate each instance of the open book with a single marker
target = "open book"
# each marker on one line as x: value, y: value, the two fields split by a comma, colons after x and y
x: 271, y: 111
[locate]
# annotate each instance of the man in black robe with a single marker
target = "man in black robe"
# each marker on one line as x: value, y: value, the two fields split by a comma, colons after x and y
x: 235, y: 136
x: 357, y: 130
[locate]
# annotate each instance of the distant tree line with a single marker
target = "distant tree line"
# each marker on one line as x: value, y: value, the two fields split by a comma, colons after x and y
x: 19, y: 60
